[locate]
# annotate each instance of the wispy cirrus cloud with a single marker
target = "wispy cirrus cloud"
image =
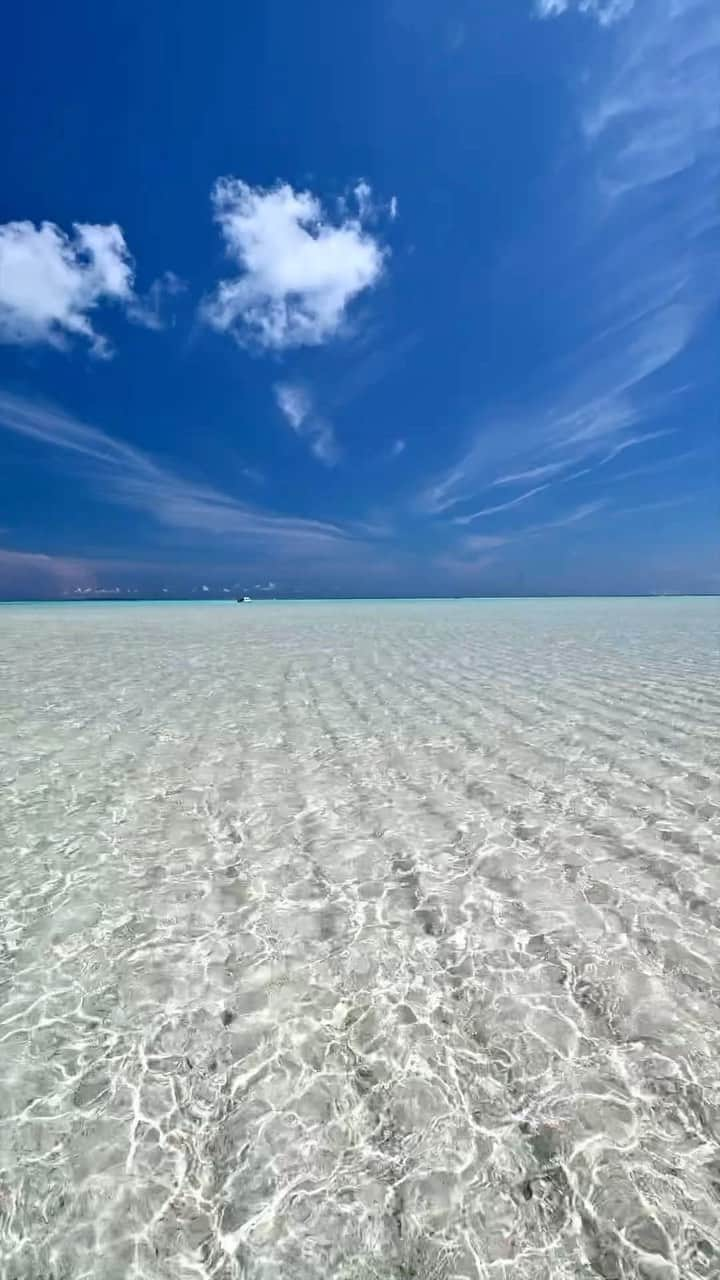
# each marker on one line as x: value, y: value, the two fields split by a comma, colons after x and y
x: 575, y: 515
x: 582, y: 512
x: 606, y: 11
x: 474, y: 553
x: 296, y: 403
x: 663, y: 504
x: 531, y: 473
x: 675, y: 462
x: 500, y: 506
x: 646, y: 265
x: 127, y: 476
x: 151, y: 309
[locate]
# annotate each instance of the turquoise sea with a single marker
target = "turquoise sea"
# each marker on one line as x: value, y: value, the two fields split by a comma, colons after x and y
x: 368, y: 940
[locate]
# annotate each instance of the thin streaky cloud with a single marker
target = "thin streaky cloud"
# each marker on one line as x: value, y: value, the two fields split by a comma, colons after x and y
x: 473, y: 545
x: 631, y: 443
x: 443, y: 493
x: 532, y: 473
x: 582, y: 512
x: 41, y: 421
x: 501, y: 506
x: 646, y: 274
x: 662, y: 504
x: 620, y: 448
x: 128, y: 477
x: 662, y: 464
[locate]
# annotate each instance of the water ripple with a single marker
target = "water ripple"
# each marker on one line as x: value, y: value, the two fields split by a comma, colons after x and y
x: 377, y: 941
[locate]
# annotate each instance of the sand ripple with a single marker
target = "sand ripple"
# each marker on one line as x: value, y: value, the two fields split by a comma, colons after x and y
x: 371, y: 941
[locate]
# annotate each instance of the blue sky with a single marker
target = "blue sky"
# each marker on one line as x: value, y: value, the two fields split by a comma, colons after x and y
x: 405, y: 297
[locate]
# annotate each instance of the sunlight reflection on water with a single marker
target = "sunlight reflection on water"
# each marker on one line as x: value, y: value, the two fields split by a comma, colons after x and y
x: 374, y: 940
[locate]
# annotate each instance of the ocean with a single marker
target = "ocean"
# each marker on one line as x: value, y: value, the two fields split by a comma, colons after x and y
x: 363, y: 940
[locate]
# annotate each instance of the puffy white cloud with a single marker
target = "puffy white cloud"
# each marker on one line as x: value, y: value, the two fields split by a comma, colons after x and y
x: 296, y: 404
x: 50, y: 282
x: 298, y: 272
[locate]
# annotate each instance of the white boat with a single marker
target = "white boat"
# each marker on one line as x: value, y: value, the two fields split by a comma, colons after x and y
x: 244, y: 599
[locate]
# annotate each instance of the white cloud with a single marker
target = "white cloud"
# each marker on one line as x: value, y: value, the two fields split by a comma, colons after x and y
x: 476, y: 551
x: 51, y: 282
x: 583, y: 512
x: 368, y: 208
x: 149, y: 310
x: 125, y: 475
x: 658, y: 113
x: 500, y: 506
x: 296, y: 404
x: 363, y: 195
x: 606, y: 11
x: 644, y: 264
x: 399, y: 446
x: 299, y: 272
x: 531, y: 473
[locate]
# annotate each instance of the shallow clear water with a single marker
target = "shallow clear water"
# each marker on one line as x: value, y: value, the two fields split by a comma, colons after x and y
x: 374, y: 940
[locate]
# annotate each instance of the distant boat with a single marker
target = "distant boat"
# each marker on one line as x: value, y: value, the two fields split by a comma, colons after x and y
x: 244, y: 599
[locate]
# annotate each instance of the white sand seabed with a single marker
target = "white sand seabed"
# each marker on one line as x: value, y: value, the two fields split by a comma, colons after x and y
x: 375, y: 940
